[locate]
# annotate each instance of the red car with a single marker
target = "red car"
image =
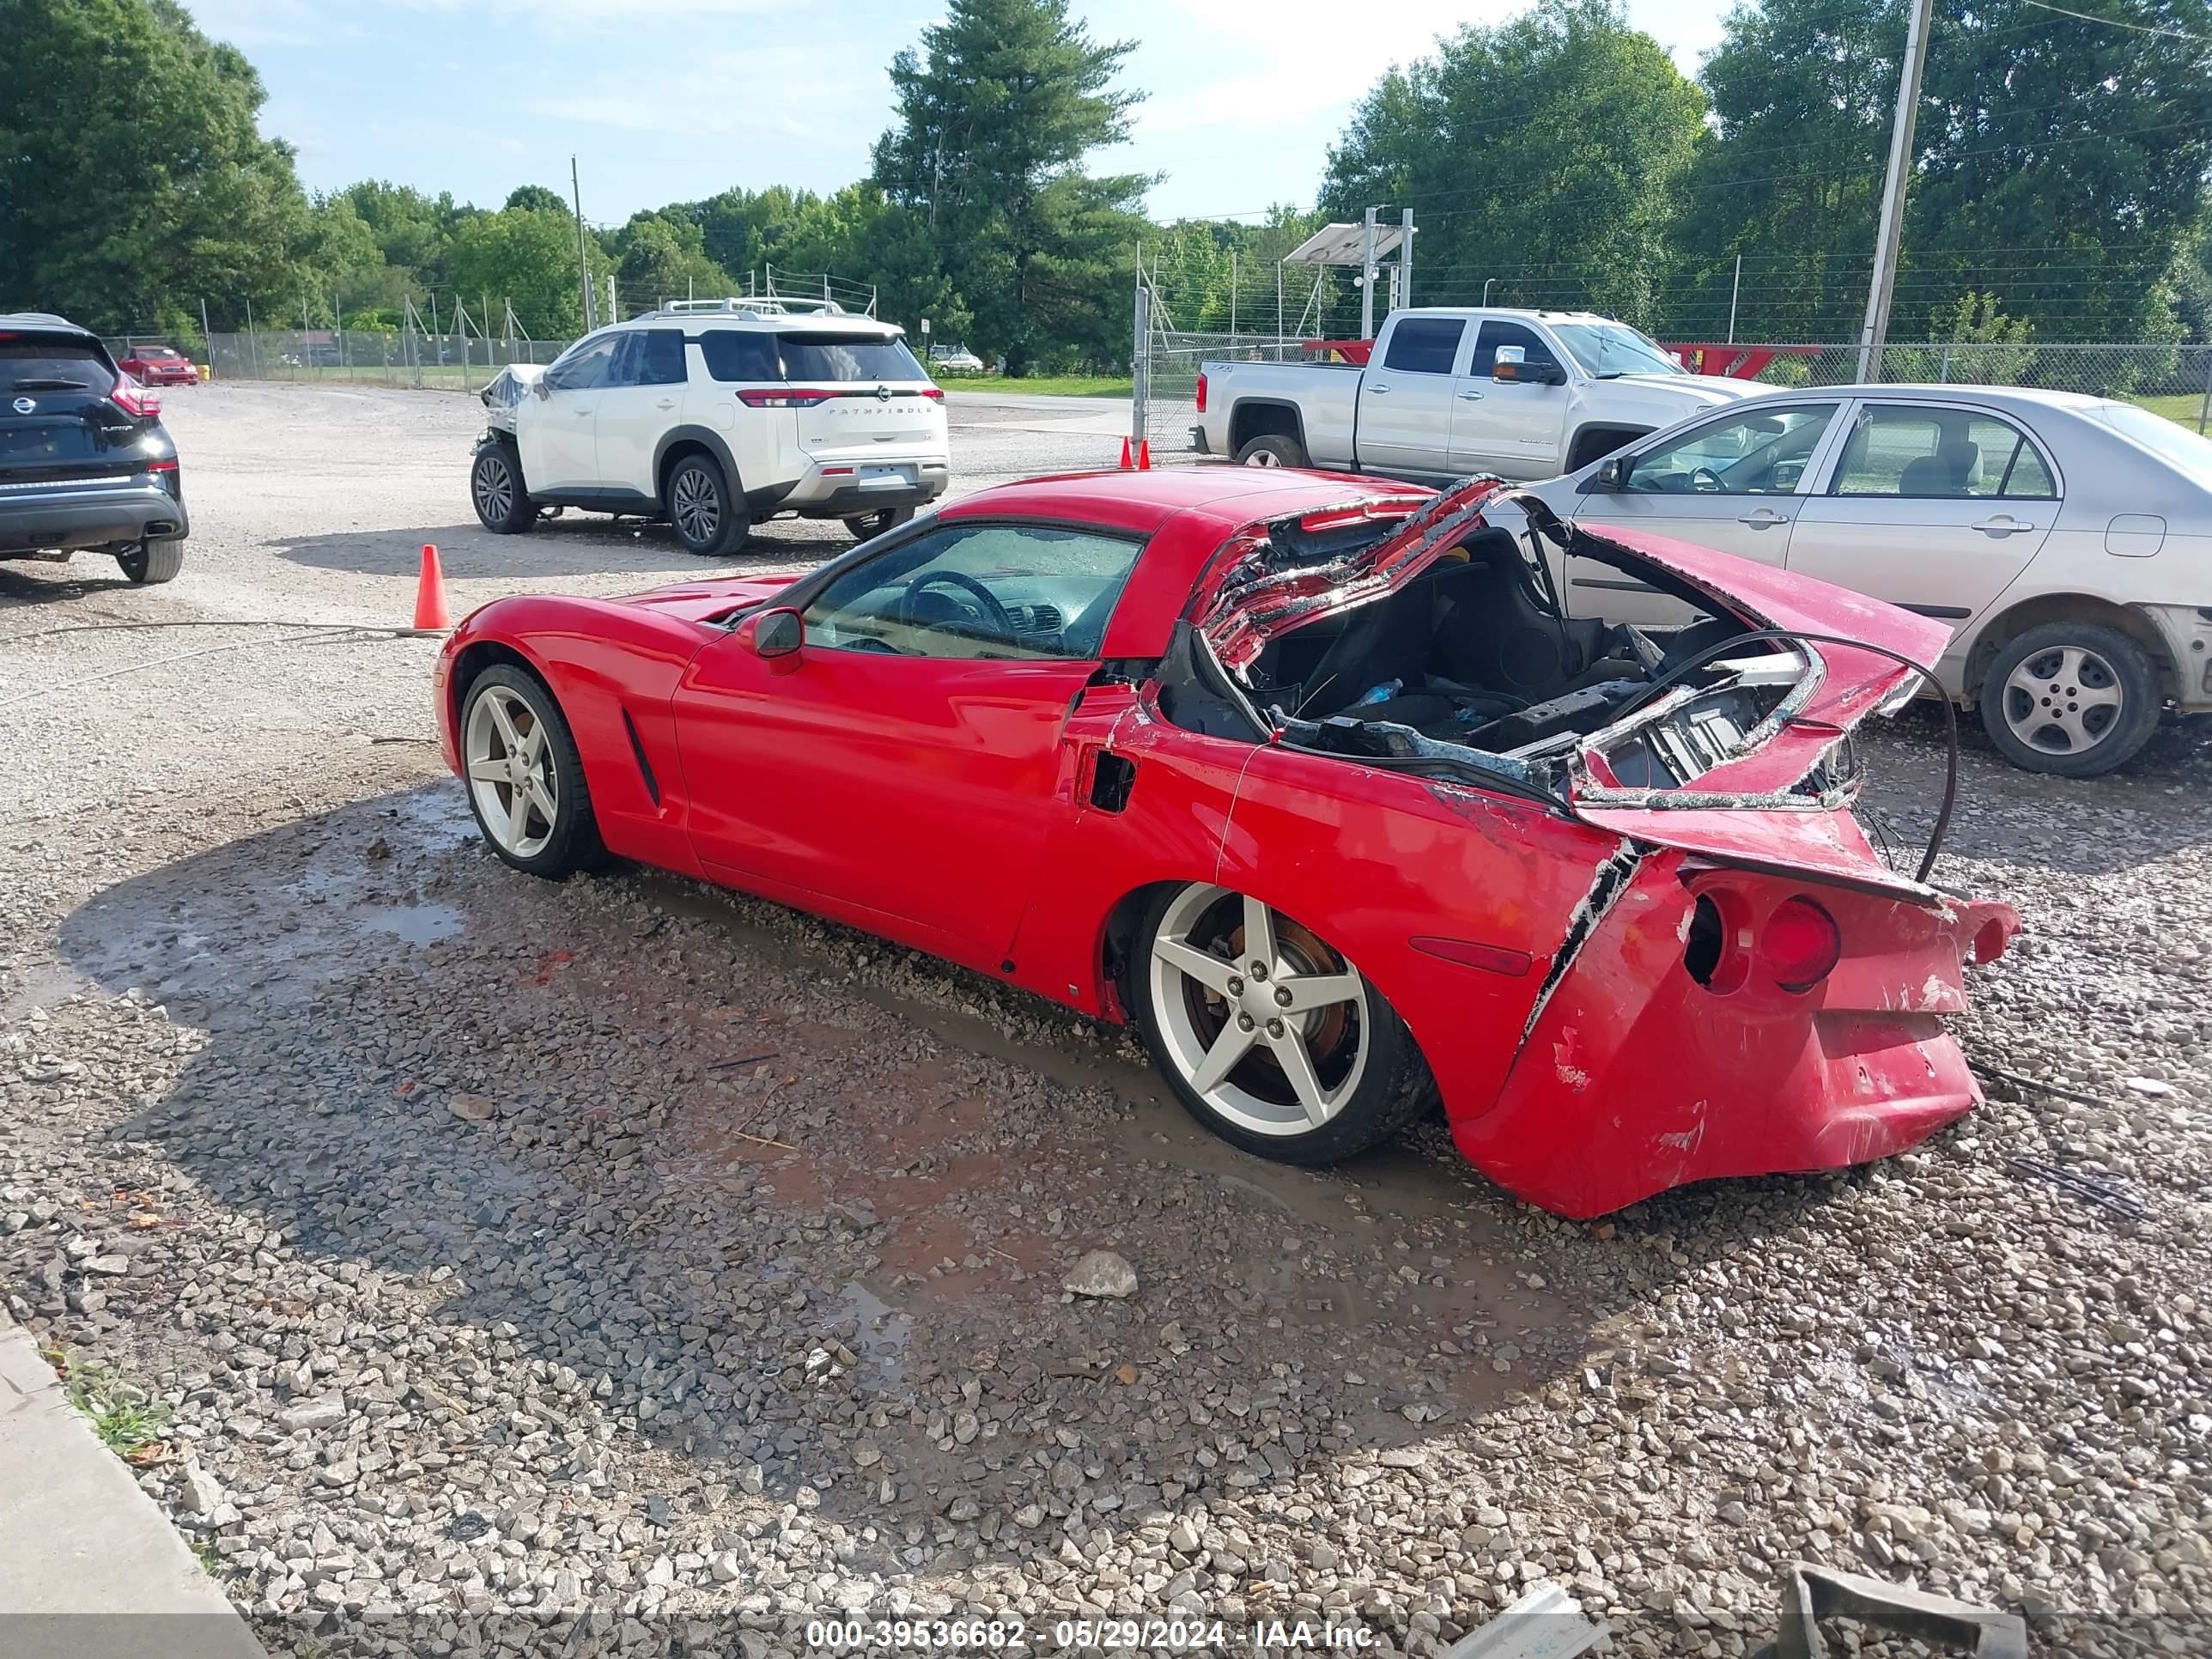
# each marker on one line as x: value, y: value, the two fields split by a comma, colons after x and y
x: 1315, y: 779
x: 159, y: 365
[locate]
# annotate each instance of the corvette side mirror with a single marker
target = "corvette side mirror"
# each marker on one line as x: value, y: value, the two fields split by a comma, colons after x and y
x: 777, y: 633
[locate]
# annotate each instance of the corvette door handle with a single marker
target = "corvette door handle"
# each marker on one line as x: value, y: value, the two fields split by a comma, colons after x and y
x: 1762, y: 517
x: 2003, y: 525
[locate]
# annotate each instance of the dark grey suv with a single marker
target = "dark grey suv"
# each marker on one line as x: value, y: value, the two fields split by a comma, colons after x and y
x: 85, y: 461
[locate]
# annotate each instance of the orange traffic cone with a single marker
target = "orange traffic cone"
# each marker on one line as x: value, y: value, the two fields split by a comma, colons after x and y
x: 430, y: 610
x: 1144, y: 455
x: 1125, y: 454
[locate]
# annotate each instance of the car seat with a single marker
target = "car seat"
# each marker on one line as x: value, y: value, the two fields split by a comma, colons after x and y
x: 1949, y: 472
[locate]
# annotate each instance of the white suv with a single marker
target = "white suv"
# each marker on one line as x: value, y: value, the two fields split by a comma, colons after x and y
x: 715, y: 414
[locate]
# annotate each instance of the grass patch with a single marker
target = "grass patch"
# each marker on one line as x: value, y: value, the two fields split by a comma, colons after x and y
x: 1045, y: 385
x: 2182, y: 408
x: 129, y: 1422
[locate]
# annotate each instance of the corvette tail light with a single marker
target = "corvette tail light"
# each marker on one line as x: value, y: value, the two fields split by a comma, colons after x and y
x: 1801, y: 944
x: 1201, y: 391
x: 134, y: 400
x: 786, y: 397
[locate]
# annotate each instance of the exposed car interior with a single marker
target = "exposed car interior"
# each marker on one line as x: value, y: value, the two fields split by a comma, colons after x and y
x: 1476, y: 655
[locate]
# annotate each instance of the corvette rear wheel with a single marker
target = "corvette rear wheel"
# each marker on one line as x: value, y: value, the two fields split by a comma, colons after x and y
x: 525, y: 780
x: 1267, y: 1035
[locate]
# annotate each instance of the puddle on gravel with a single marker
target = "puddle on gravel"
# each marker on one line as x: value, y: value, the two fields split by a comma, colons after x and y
x: 884, y: 1335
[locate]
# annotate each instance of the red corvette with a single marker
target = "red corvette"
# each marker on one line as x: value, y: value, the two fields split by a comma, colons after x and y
x: 1315, y: 780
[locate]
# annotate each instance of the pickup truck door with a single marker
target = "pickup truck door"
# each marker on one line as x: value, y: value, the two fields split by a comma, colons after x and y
x: 1515, y: 429
x: 1734, y: 483
x: 1406, y: 398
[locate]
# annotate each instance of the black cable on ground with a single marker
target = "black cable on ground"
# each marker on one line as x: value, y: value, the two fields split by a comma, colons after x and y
x: 315, y: 632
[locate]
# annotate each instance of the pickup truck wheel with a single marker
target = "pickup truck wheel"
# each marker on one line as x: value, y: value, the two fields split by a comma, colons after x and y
x: 708, y: 521
x: 2074, y: 699
x: 1270, y: 450
x: 503, y: 507
x: 148, y: 562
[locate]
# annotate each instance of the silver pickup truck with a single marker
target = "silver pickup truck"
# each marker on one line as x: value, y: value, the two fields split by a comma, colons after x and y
x: 1523, y: 394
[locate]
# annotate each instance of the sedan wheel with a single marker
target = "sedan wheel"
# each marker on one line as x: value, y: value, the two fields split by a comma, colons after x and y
x: 2074, y: 698
x: 525, y: 782
x: 1268, y: 1035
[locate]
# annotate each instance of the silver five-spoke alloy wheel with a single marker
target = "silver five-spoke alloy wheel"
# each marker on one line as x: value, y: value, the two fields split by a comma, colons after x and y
x: 1263, y: 458
x: 494, y: 490
x: 2064, y: 700
x: 511, y: 772
x: 1265, y: 1022
x: 697, y: 506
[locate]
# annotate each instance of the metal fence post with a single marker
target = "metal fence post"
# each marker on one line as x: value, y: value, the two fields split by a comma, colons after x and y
x: 1943, y: 374
x: 1140, y: 364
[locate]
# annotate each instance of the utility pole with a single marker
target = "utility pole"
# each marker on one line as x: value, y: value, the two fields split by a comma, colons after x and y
x: 1405, y: 257
x: 207, y: 340
x: 583, y: 266
x: 1367, y: 275
x: 1734, y: 293
x: 1892, y: 229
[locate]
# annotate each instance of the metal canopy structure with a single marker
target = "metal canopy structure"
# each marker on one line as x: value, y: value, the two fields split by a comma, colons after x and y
x: 1339, y: 245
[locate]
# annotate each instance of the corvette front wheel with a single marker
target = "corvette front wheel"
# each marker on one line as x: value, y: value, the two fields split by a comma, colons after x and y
x: 525, y: 780
x: 1267, y: 1035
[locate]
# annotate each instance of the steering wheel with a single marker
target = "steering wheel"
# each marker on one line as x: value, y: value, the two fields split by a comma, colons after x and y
x: 1704, y: 481
x: 990, y: 612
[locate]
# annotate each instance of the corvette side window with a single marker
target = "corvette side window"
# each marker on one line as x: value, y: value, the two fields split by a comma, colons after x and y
x: 1023, y: 592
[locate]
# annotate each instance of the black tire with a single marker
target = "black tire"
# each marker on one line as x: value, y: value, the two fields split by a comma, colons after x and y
x: 574, y: 843
x: 2060, y: 660
x: 707, y: 518
x: 1393, y: 1088
x: 497, y: 492
x: 147, y: 564
x: 1270, y: 449
x: 1596, y: 444
x: 866, y: 527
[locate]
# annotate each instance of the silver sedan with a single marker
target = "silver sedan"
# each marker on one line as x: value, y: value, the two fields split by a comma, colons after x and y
x: 2066, y: 540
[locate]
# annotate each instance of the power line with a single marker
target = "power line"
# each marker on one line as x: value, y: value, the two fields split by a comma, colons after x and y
x: 2121, y: 23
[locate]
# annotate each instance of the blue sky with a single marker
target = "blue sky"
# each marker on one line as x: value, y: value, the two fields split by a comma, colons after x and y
x: 674, y: 100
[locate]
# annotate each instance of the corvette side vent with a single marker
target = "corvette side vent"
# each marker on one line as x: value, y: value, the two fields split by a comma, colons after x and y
x: 1112, y: 777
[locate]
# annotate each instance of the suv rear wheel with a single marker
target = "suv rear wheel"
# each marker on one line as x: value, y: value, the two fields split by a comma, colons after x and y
x: 148, y: 562
x: 708, y: 521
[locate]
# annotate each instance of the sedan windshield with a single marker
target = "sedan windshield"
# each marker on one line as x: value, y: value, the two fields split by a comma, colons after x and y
x: 2183, y: 450
x: 1605, y: 349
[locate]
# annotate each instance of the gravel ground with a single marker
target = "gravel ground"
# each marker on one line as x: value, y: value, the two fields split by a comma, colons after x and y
x: 621, y: 1265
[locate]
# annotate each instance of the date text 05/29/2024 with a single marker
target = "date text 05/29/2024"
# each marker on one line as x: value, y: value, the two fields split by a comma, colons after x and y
x: 983, y: 1636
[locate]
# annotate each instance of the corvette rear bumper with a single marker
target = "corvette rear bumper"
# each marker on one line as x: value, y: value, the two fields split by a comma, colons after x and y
x: 1635, y: 1075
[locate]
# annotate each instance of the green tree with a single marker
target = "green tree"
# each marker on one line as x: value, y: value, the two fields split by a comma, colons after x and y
x: 996, y: 111
x: 2058, y: 160
x: 527, y: 257
x: 414, y: 231
x: 537, y: 199
x: 663, y: 259
x: 1543, y: 152
x: 133, y: 180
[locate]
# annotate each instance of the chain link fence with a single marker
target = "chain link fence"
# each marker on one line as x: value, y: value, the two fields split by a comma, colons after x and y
x: 391, y: 357
x: 2173, y: 381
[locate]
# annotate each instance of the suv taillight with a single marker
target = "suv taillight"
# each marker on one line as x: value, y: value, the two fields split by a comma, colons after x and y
x: 134, y: 400
x: 785, y: 397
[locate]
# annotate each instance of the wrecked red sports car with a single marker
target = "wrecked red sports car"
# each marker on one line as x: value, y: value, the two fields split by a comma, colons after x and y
x: 1316, y: 781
